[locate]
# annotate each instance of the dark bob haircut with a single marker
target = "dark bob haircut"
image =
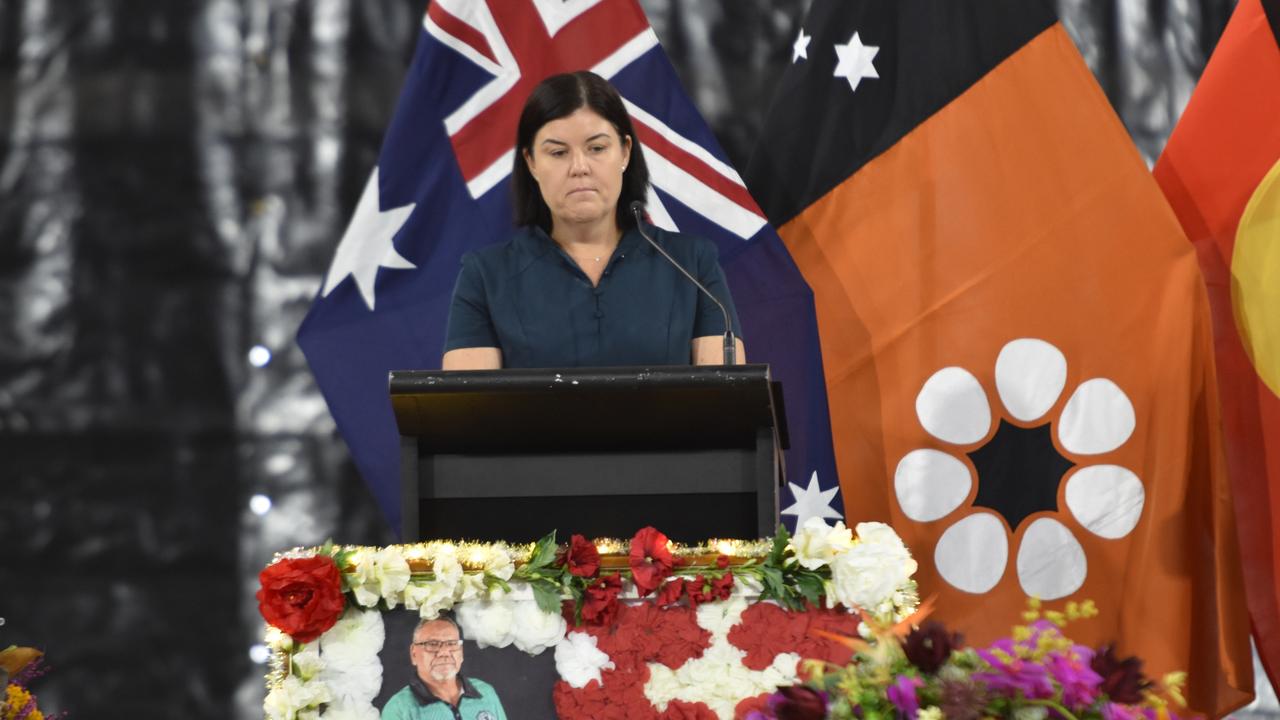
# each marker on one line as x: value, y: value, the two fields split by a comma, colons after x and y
x: 560, y: 96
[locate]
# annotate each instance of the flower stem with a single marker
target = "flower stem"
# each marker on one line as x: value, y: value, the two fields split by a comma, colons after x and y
x: 1054, y: 706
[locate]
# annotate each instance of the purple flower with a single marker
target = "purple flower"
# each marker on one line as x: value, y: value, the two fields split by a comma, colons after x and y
x: 930, y: 645
x: 902, y: 693
x: 1072, y: 672
x: 1115, y: 711
x: 1015, y: 676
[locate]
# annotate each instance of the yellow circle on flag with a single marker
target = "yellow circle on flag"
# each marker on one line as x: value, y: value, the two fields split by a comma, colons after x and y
x: 1255, y: 279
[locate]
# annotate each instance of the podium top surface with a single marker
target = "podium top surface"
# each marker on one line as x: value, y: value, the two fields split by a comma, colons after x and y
x: 564, y: 409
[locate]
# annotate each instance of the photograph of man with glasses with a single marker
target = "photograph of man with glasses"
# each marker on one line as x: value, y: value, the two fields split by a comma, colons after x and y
x: 440, y: 691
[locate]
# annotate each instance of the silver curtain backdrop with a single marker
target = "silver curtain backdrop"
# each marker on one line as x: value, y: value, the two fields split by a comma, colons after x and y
x: 174, y: 176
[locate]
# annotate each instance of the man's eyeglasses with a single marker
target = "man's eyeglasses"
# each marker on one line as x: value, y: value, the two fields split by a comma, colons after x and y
x: 435, y: 646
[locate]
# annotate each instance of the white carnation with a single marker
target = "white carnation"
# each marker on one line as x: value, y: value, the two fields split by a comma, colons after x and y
x: 382, y: 575
x: 470, y: 587
x: 719, y: 617
x: 816, y: 544
x: 536, y: 630
x: 350, y: 711
x: 357, y: 636
x: 497, y: 562
x: 429, y: 598
x: 487, y: 622
x: 307, y: 662
x: 446, y: 567
x: 579, y: 660
x: 293, y: 695
x: 354, y: 683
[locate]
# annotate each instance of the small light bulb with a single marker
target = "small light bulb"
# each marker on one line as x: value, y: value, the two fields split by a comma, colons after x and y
x: 259, y: 653
x: 259, y: 356
x: 260, y: 504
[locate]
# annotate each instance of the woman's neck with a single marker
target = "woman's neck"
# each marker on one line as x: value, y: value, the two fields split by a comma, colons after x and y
x: 598, y: 236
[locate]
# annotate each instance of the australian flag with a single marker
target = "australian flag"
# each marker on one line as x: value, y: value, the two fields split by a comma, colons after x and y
x: 441, y: 188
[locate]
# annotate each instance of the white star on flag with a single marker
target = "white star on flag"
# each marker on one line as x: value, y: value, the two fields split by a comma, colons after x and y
x: 855, y: 61
x: 812, y: 501
x: 366, y: 245
x: 800, y: 50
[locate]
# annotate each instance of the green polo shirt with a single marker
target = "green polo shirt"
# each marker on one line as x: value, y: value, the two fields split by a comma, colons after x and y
x: 479, y: 701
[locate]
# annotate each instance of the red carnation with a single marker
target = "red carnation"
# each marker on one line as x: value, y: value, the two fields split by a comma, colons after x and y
x: 600, y: 601
x: 301, y: 596
x: 582, y: 559
x: 670, y: 592
x: 651, y: 561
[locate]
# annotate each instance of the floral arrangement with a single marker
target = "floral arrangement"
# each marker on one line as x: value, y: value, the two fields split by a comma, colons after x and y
x: 652, y: 620
x: 927, y: 673
x: 19, y: 666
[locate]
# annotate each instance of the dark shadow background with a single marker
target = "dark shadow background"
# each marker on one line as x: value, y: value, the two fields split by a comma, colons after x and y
x: 174, y: 176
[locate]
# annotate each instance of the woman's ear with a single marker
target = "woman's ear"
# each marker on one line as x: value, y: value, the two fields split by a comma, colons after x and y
x: 528, y: 162
x: 626, y: 151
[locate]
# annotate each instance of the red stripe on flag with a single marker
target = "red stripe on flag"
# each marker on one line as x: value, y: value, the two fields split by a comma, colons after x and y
x: 695, y: 167
x: 462, y: 31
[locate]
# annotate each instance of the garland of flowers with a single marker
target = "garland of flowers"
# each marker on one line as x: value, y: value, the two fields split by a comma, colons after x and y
x: 529, y: 595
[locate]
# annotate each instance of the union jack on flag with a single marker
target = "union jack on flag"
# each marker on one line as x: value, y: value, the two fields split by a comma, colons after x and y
x: 441, y: 188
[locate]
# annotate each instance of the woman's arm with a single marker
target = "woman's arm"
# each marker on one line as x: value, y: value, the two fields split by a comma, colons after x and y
x: 476, y: 358
x: 709, y: 350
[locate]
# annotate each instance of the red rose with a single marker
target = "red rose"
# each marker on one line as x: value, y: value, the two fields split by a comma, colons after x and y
x: 600, y: 601
x: 582, y: 559
x: 650, y: 560
x: 301, y: 596
x: 722, y: 561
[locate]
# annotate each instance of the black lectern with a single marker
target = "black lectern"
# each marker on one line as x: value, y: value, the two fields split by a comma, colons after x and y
x: 512, y: 454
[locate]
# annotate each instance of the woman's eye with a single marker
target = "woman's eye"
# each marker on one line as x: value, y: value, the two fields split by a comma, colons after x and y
x: 558, y: 153
x: 597, y: 148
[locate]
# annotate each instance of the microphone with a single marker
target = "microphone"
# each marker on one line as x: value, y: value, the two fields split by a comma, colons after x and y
x: 730, y: 347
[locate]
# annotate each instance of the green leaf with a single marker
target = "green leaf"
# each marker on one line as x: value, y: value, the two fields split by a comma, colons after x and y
x: 779, y: 550
x: 547, y: 594
x: 544, y: 552
x: 810, y: 586
x: 492, y: 581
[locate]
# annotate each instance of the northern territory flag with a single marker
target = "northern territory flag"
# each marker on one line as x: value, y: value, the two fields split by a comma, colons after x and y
x: 1221, y: 173
x: 1016, y: 338
x: 441, y: 188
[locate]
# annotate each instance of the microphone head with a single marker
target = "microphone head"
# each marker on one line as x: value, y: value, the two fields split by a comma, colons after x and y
x: 637, y: 209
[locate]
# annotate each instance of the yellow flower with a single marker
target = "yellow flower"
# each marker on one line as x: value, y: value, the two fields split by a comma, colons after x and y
x: 932, y: 712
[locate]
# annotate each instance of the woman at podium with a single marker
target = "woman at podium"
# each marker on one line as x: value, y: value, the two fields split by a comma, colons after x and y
x: 577, y: 284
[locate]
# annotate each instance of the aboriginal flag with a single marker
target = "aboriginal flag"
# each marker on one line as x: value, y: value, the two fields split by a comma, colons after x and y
x: 1221, y: 173
x: 1015, y: 334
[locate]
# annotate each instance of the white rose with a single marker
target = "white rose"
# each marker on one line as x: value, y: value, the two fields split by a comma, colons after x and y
x: 357, y: 636
x: 536, y: 630
x: 350, y: 711
x: 579, y: 660
x: 487, y: 622
x: 816, y: 544
x: 392, y: 572
x: 867, y: 575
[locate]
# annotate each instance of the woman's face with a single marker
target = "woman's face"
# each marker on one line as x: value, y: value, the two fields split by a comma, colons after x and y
x: 577, y: 162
